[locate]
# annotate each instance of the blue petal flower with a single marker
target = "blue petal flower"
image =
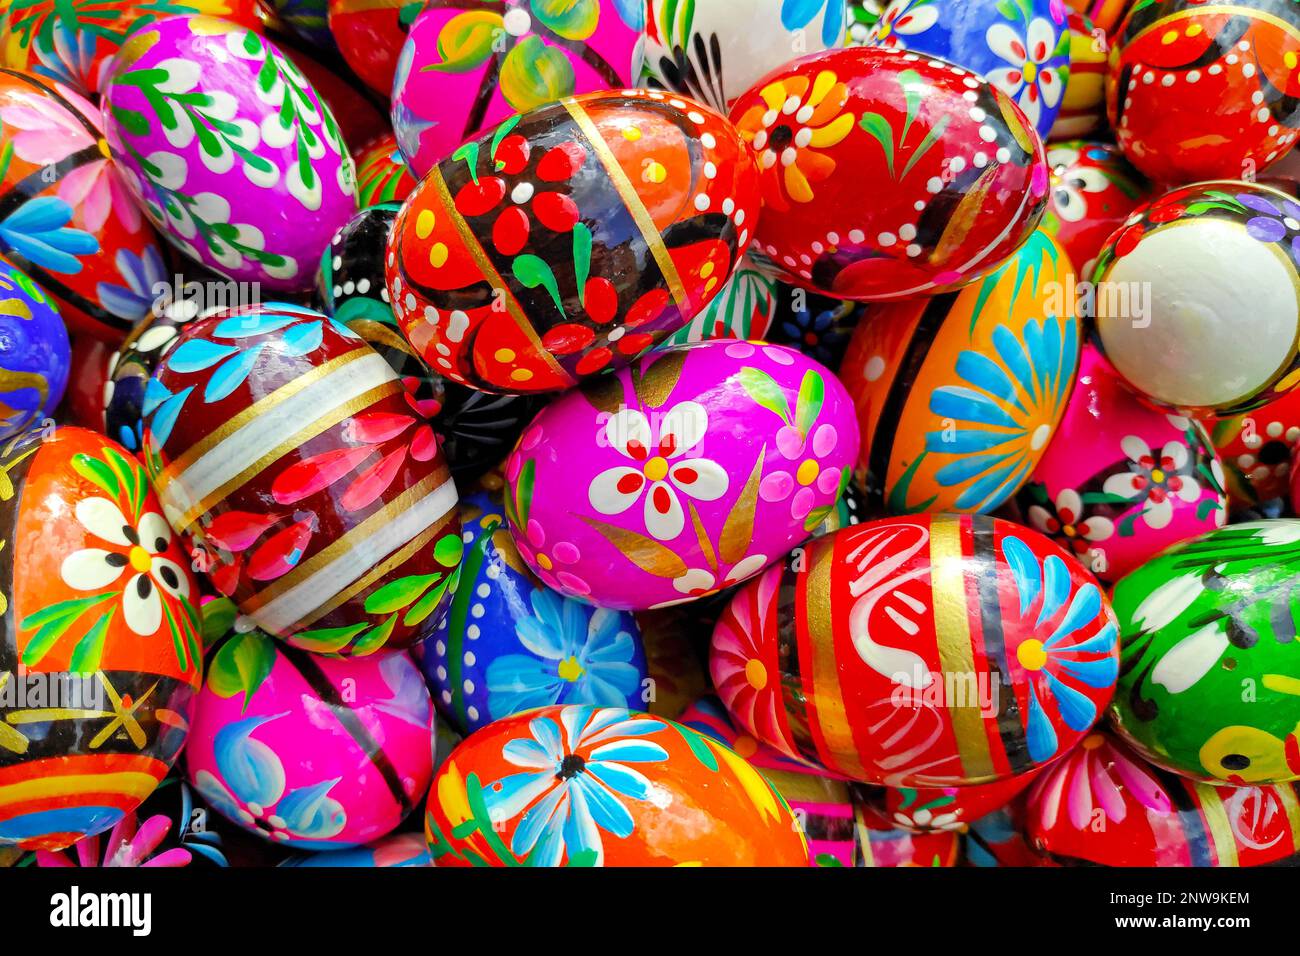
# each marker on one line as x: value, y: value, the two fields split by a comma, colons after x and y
x: 251, y: 769
x: 38, y: 232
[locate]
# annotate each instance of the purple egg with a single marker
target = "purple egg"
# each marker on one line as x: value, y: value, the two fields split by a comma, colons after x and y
x: 235, y: 157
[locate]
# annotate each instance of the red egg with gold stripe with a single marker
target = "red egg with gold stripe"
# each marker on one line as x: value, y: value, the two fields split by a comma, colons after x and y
x: 571, y: 240
x: 100, y: 650
x: 1103, y: 804
x: 928, y: 651
x: 314, y: 489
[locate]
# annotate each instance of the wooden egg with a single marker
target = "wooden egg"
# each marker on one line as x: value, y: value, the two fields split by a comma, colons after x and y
x: 587, y: 786
x: 100, y: 653
x: 1211, y: 681
x: 1172, y: 289
x: 1023, y: 48
x: 230, y: 150
x: 959, y: 395
x: 382, y: 173
x: 571, y: 240
x: 1257, y: 449
x: 319, y: 501
x: 931, y: 651
x: 1094, y: 190
x: 466, y: 68
x: 66, y: 216
x: 961, y: 177
x: 680, y: 476
x: 1200, y: 91
x: 35, y: 356
x: 1104, y: 805
x: 1120, y: 481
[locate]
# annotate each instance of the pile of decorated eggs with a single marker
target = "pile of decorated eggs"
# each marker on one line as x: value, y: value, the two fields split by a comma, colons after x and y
x: 639, y: 433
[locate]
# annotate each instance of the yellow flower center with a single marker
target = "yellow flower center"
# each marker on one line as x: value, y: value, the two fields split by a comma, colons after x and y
x: 140, y: 559
x: 1031, y: 655
x: 756, y: 674
x: 656, y: 468
x: 545, y: 562
x: 571, y: 670
x: 103, y: 149
x: 808, y: 472
x: 1068, y: 531
x: 1157, y: 475
x: 1093, y: 741
x: 886, y: 29
x: 1031, y: 72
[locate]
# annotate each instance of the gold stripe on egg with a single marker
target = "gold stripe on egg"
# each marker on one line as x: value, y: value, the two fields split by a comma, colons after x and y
x: 649, y: 231
x: 395, y: 560
x: 827, y: 696
x: 1217, y: 825
x: 953, y: 638
x: 317, y: 427
x: 862, y: 835
x: 480, y: 257
x: 259, y: 408
x: 326, y: 556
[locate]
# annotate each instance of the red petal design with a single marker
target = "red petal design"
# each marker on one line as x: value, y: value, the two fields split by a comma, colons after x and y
x: 510, y: 233
x: 310, y: 475
x: 375, y: 427
x: 557, y: 212
x: 600, y: 299
x: 629, y: 483
x: 225, y: 577
x: 236, y: 531
x: 567, y: 339
x: 373, y: 482
x: 647, y: 308
x: 424, y: 444
x: 593, y: 360
x: 512, y: 154
x: 477, y: 199
x: 282, y: 552
x: 561, y: 162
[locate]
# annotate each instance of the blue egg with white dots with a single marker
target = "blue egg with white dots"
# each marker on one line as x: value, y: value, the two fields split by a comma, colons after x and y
x: 510, y: 644
x: 34, y: 353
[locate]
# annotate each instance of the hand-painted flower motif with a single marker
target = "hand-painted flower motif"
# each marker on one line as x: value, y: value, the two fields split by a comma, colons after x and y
x: 253, y: 790
x: 801, y: 118
x: 1060, y: 662
x: 1276, y: 220
x: 805, y: 445
x: 141, y: 274
x: 1155, y: 479
x: 582, y: 657
x: 574, y: 779
x: 736, y: 661
x: 130, y: 843
x: 701, y: 582
x: 658, y: 472
x: 38, y: 231
x: 138, y: 548
x: 1094, y: 778
x: 1067, y: 522
x: 797, y: 14
x: 1032, y: 79
x: 901, y: 20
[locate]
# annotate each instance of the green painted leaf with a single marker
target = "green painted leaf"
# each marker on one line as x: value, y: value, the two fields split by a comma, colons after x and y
x: 502, y: 132
x: 582, y: 257
x: 465, y: 41
x: 429, y: 603
x: 764, y: 390
x: 97, y: 473
x: 571, y: 19
x: 812, y: 391
x: 883, y: 133
x: 533, y: 272
x: 241, y: 665
x: 449, y: 550
x: 375, y: 638
x: 399, y: 594
x: 535, y: 74
x: 326, y: 640
x: 90, y: 649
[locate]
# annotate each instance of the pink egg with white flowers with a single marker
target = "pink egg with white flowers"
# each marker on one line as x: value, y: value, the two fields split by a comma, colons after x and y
x: 310, y: 752
x: 683, y: 474
x: 1122, y: 481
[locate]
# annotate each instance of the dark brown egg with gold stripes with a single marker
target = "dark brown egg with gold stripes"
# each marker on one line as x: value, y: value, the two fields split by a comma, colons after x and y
x: 571, y: 240
x: 307, y: 751
x: 930, y: 651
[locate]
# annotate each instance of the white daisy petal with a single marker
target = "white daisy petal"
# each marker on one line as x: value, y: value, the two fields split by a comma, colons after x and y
x: 143, y: 613
x: 664, y: 517
x: 700, y: 478
x: 628, y: 432
x: 615, y: 490
x: 1159, y: 514
x: 155, y: 533
x: 682, y: 429
x: 104, y: 519
x: 89, y: 570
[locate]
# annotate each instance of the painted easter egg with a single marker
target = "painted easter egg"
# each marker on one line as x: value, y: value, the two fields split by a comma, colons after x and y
x: 863, y: 15
x: 714, y: 52
x: 382, y: 173
x: 1022, y: 48
x: 1102, y: 804
x: 361, y: 115
x: 1106, y: 14
x: 1257, y: 449
x: 681, y: 476
x: 465, y: 69
x: 398, y: 850
x: 72, y: 43
x: 963, y: 177
x: 229, y: 149
x: 817, y: 325
x: 571, y: 240
x: 841, y: 826
x: 1205, y: 91
x: 34, y: 353
x: 1120, y: 481
x: 586, y: 786
x: 510, y: 644
x: 66, y: 217
x: 1083, y: 107
x: 930, y: 809
x: 339, y: 750
x: 475, y: 429
x: 1173, y: 320
x: 958, y: 395
x: 320, y: 503
x: 1211, y: 682
x: 929, y: 651
x: 370, y: 37
x: 100, y: 655
x: 1094, y: 190
x: 743, y: 309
